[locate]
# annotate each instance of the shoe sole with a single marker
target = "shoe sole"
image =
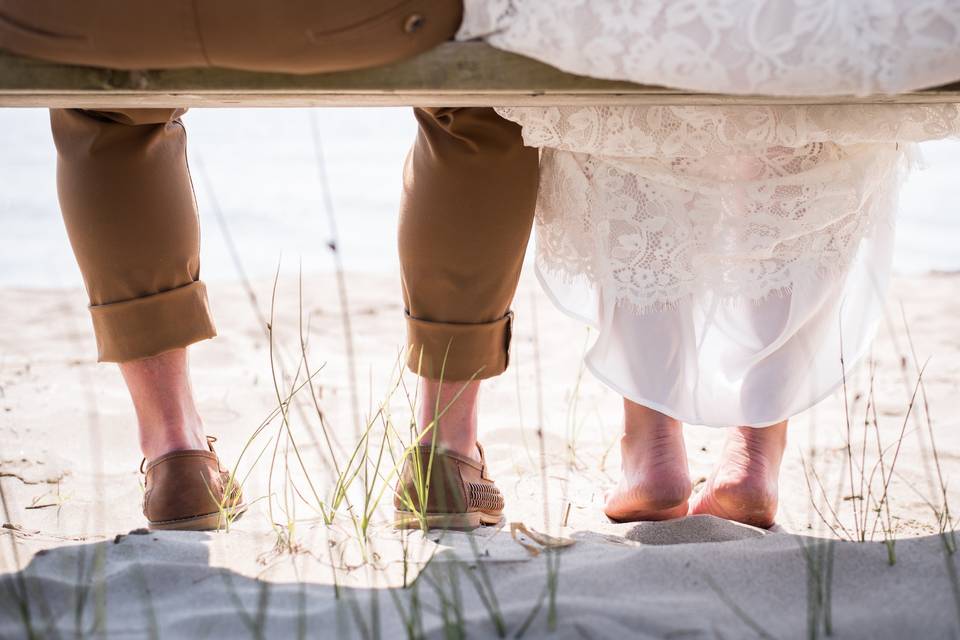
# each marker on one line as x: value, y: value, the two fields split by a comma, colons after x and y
x: 207, y: 522
x: 456, y: 521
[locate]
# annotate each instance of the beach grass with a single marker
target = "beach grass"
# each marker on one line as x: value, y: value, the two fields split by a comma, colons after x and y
x: 335, y: 481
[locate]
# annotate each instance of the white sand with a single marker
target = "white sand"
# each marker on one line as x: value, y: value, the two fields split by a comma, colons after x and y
x: 68, y: 441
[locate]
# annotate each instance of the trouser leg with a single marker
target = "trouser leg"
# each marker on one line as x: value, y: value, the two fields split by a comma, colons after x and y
x: 129, y: 209
x: 125, y: 188
x: 470, y: 188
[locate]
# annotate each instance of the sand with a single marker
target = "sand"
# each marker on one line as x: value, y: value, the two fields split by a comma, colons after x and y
x: 72, y: 539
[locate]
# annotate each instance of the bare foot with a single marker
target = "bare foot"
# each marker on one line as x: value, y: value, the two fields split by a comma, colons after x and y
x: 743, y: 487
x: 656, y: 483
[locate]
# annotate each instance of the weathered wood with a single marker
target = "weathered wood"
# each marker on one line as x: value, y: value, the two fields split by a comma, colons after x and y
x: 455, y: 74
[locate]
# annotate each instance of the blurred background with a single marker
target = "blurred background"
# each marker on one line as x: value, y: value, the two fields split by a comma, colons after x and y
x: 262, y: 171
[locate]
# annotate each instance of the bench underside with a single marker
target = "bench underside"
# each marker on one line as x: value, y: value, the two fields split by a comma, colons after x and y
x: 454, y: 74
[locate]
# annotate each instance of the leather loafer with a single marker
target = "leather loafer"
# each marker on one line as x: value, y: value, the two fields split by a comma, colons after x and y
x: 448, y: 492
x: 189, y: 490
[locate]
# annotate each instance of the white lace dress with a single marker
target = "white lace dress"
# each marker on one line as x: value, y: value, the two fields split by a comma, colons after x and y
x: 727, y: 255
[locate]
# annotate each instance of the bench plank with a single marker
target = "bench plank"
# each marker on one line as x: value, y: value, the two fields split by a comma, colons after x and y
x: 454, y: 74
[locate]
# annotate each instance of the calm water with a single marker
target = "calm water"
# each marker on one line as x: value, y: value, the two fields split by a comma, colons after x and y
x: 260, y: 163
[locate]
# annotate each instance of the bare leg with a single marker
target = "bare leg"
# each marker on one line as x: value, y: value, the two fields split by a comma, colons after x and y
x: 455, y: 402
x: 656, y: 482
x: 744, y: 485
x: 163, y: 399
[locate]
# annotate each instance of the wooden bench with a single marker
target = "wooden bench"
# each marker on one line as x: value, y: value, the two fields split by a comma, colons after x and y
x: 454, y: 74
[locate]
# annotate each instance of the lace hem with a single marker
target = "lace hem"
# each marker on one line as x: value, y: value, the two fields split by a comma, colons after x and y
x: 646, y: 236
x: 698, y: 131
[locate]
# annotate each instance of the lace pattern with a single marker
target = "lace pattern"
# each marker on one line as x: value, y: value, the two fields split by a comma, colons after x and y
x: 658, y: 204
x: 778, y: 47
x: 654, y: 204
x: 657, y: 232
x: 755, y: 241
x: 701, y: 131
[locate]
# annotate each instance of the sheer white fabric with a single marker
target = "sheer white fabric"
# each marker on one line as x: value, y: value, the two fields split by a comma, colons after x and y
x: 661, y: 203
x: 726, y: 253
x: 773, y: 47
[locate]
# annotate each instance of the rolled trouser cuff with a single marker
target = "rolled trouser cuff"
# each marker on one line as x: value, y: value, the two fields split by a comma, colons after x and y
x: 459, y: 351
x: 153, y: 324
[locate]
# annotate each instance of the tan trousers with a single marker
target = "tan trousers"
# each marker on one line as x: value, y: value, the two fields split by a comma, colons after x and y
x: 127, y: 197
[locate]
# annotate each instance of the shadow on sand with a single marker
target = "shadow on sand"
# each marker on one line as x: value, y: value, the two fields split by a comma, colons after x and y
x: 699, y: 577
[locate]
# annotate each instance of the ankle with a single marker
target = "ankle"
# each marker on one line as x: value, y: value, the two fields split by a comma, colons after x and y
x: 162, y: 397
x: 466, y: 447
x: 159, y: 438
x: 642, y: 424
x: 457, y: 434
x: 757, y: 445
x: 448, y: 416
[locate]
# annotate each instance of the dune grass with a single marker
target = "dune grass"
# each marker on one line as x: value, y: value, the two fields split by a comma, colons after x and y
x: 353, y: 496
x: 869, y: 466
x: 352, y: 499
x: 818, y: 558
x: 346, y: 490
